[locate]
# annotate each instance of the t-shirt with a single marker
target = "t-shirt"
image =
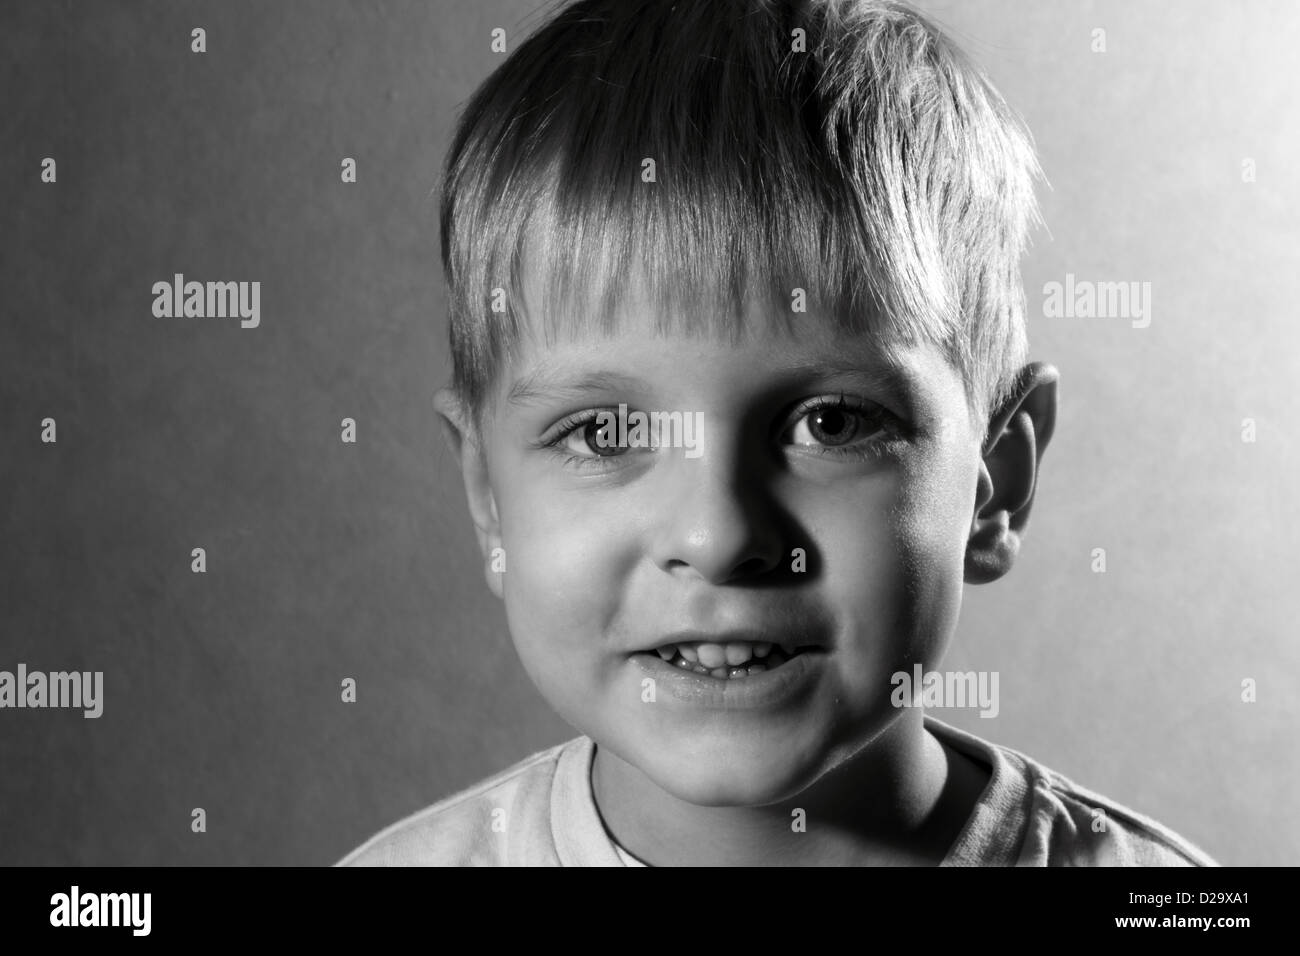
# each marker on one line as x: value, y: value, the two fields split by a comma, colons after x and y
x: 542, y: 812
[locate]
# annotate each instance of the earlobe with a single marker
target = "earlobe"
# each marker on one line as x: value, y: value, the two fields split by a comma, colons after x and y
x: 1008, y: 477
x: 463, y: 440
x: 991, y: 549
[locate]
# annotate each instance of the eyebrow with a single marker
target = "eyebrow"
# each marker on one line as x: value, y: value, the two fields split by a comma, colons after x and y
x: 881, y: 375
x: 534, y: 386
x: 884, y: 376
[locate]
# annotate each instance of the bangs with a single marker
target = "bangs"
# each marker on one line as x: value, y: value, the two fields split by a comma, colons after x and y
x: 689, y: 154
x: 702, y: 247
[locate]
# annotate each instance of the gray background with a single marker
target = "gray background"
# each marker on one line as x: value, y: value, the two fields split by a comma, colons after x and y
x: 328, y: 560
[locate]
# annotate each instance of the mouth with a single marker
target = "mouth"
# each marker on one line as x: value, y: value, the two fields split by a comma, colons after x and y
x: 728, y: 659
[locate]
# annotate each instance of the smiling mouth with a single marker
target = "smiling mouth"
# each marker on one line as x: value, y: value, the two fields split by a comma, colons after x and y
x: 733, y: 660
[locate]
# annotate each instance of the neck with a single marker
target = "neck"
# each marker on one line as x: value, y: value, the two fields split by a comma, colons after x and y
x: 901, y: 800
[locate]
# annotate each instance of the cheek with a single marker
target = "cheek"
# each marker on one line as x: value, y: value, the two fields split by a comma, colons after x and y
x: 930, y: 527
x: 894, y: 560
x: 561, y: 587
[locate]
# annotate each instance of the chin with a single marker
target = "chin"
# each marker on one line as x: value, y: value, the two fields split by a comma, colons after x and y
x: 707, y: 781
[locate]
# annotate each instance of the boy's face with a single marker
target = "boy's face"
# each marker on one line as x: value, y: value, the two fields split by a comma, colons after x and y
x: 840, y: 531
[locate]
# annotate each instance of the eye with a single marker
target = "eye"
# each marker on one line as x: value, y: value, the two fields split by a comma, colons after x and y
x: 836, y: 423
x: 590, y: 437
x: 826, y: 426
x: 587, y: 439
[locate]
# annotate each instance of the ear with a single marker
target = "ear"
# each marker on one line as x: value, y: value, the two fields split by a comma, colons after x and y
x: 1018, y: 434
x: 465, y: 442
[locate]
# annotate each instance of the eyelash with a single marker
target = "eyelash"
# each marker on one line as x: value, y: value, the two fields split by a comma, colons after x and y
x: 884, y: 421
x: 565, y: 427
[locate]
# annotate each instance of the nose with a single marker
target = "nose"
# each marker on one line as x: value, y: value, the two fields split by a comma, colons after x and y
x: 720, y: 523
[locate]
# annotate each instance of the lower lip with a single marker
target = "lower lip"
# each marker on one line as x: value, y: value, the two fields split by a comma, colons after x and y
x: 770, y: 688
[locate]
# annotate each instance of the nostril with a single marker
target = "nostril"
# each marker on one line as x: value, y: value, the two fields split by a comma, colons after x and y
x: 753, y: 566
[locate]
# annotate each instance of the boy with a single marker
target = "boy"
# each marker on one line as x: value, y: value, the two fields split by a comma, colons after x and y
x: 740, y: 401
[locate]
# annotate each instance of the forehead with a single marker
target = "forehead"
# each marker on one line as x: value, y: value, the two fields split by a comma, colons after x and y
x: 635, y: 349
x: 556, y: 312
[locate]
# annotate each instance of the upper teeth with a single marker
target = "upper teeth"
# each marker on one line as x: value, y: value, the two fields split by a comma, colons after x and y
x: 731, y: 654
